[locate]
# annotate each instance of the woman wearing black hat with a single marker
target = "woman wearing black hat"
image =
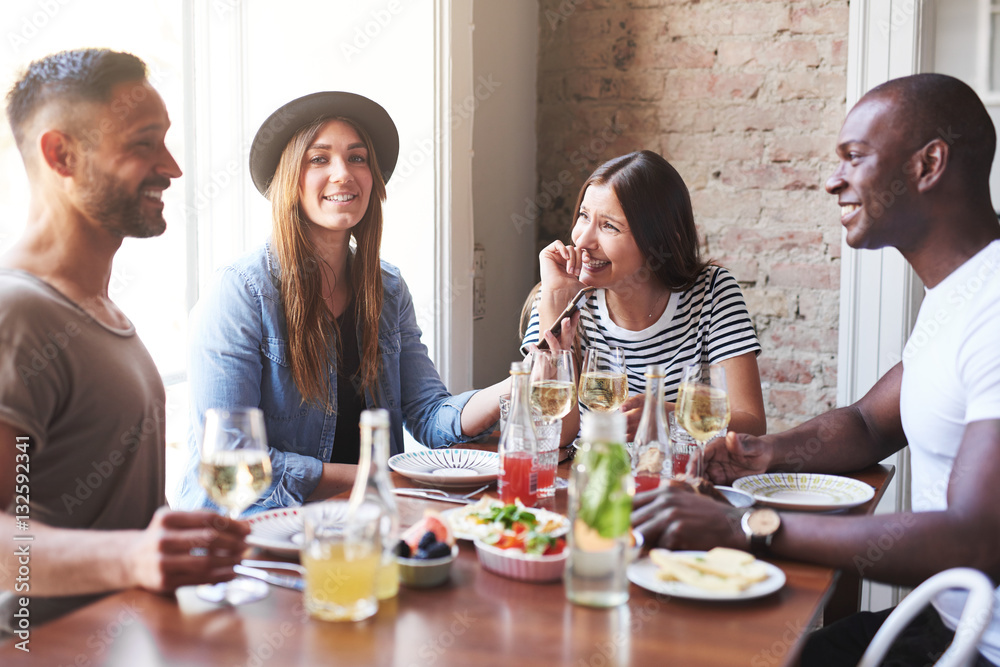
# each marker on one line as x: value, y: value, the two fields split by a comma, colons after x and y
x: 311, y: 329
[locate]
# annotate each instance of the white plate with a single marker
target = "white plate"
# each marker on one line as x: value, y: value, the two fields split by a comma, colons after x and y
x: 465, y: 529
x: 280, y: 530
x: 643, y: 573
x: 735, y: 498
x: 448, y: 467
x: 805, y: 491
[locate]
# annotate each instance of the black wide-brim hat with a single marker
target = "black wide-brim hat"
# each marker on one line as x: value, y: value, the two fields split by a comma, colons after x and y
x: 275, y: 132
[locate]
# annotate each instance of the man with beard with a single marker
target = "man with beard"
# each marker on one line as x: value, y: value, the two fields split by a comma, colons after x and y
x: 914, y: 163
x: 81, y: 403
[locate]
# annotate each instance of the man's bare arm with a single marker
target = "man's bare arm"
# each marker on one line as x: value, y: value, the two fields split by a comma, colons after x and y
x: 71, y: 562
x: 838, y: 441
x: 907, y: 548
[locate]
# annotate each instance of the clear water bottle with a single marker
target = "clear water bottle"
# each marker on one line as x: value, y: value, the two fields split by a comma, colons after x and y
x: 518, y: 448
x: 652, y: 440
x: 600, y: 508
x: 373, y: 485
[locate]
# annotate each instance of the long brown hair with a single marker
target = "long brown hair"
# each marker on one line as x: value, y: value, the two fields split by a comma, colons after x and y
x: 312, y: 329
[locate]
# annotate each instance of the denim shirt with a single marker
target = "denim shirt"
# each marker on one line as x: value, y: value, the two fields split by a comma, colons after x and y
x: 239, y: 357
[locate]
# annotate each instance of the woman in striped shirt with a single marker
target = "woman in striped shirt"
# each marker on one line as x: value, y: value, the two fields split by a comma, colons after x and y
x: 635, y: 240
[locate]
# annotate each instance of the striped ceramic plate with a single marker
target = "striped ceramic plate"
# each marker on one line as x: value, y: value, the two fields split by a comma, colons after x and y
x: 448, y: 467
x: 805, y: 491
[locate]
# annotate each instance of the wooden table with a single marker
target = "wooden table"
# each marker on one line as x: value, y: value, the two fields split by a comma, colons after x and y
x: 478, y: 618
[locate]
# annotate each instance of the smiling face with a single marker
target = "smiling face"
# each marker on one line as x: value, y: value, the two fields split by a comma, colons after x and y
x: 611, y: 257
x: 874, y: 182
x: 335, y: 183
x: 125, y: 165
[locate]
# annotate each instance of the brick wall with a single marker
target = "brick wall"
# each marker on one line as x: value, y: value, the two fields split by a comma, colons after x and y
x: 745, y: 98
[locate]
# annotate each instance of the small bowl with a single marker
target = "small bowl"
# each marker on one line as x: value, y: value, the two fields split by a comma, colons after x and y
x: 516, y: 564
x: 425, y: 573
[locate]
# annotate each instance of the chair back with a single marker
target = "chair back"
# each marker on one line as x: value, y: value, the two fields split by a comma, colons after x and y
x: 976, y: 616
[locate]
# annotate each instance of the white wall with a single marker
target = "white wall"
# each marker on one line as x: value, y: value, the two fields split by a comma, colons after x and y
x: 505, y: 62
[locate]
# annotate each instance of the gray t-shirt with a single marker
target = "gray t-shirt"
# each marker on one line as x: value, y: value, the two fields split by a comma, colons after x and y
x: 91, y: 401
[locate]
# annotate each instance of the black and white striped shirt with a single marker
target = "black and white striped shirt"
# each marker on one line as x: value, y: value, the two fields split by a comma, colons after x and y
x: 711, y: 317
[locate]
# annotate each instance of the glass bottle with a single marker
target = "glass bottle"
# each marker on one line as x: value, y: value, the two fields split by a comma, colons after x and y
x: 652, y: 441
x: 372, y: 485
x: 518, y: 443
x: 600, y: 507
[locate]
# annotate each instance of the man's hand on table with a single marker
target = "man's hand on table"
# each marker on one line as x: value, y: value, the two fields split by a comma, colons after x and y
x: 186, y: 548
x: 677, y: 518
x: 737, y: 455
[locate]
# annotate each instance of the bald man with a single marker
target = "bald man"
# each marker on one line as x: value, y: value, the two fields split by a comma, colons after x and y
x: 915, y: 156
x: 81, y: 402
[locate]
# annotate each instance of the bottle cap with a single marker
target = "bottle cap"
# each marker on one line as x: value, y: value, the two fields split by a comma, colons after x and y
x: 375, y: 418
x: 520, y: 367
x: 603, y: 427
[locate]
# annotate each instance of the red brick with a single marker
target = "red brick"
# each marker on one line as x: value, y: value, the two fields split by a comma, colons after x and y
x: 700, y: 86
x: 766, y: 303
x: 699, y: 20
x: 755, y: 241
x: 831, y: 20
x: 804, y: 339
x: 724, y: 205
x: 769, y: 176
x: 685, y: 116
x: 786, y: 400
x: 785, y: 370
x: 790, y: 146
x: 808, y: 276
x: 682, y: 54
x: 744, y: 269
x: 715, y: 147
x: 759, y: 19
x: 812, y: 85
x: 838, y: 53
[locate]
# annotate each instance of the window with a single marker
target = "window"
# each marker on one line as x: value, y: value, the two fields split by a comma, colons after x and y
x: 222, y: 66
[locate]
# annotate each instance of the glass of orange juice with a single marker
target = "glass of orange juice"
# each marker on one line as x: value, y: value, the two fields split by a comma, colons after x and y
x: 341, y: 552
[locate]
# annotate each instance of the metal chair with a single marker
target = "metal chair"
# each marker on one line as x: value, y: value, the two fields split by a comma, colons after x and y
x: 976, y: 616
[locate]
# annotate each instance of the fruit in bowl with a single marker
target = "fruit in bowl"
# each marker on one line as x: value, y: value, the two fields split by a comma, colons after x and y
x: 425, y: 552
x: 426, y: 572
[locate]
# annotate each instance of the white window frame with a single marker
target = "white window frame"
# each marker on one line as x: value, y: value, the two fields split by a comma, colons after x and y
x: 984, y: 60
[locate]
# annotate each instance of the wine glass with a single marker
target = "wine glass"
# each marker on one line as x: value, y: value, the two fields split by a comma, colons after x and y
x: 235, y: 469
x: 702, y: 402
x: 603, y: 383
x: 553, y: 395
x: 553, y: 383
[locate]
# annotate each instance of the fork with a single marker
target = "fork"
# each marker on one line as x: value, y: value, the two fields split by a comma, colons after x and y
x: 433, y: 494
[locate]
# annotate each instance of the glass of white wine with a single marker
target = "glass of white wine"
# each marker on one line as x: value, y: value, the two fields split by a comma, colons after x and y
x: 703, y: 402
x: 553, y: 395
x: 553, y: 383
x: 603, y: 383
x: 235, y: 469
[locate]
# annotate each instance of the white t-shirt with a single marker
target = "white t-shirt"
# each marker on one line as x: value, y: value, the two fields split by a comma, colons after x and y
x: 951, y: 377
x: 709, y: 318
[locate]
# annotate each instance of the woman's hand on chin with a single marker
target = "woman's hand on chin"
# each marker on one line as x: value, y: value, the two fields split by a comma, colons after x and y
x: 560, y: 266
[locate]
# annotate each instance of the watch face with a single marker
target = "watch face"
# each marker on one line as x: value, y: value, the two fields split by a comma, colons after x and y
x: 764, y: 522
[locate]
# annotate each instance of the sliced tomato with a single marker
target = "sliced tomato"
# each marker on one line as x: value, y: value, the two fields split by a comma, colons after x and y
x: 556, y: 548
x: 508, y: 542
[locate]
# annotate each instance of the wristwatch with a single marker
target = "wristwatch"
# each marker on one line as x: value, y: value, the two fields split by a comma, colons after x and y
x: 760, y: 526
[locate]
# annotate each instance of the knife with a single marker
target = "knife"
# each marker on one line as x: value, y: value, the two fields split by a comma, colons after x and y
x: 417, y: 493
x: 285, y: 581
